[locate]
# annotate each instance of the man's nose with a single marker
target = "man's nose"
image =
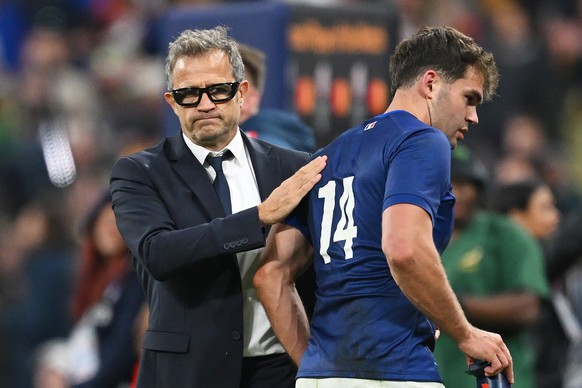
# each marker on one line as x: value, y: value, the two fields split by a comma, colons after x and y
x: 472, y: 117
x: 205, y: 102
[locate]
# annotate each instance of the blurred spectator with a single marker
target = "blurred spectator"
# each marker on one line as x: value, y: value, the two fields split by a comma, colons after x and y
x: 496, y: 269
x: 560, y: 329
x: 528, y: 84
x: 273, y: 125
x: 36, y: 271
x: 54, y: 133
x: 99, y: 352
x: 514, y: 167
x: 527, y: 153
x: 530, y: 203
x: 523, y: 135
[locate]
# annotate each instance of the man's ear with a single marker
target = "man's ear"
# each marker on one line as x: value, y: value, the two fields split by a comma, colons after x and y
x: 428, y: 84
x: 243, y: 88
x: 170, y: 100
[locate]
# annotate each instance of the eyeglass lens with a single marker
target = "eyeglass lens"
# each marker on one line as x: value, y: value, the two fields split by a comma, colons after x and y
x: 216, y: 93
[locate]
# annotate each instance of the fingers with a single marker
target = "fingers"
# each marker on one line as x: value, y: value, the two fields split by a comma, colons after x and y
x: 288, y: 195
x: 491, y: 348
x: 299, y: 184
x: 501, y: 362
x: 308, y: 175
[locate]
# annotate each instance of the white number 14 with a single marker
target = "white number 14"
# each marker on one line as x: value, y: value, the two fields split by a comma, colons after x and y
x: 345, y: 230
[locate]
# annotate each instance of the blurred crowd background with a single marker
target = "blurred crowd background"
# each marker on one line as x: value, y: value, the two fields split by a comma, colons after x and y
x: 82, y: 82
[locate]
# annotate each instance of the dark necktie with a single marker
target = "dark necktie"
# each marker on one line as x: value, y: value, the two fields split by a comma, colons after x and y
x: 220, y: 184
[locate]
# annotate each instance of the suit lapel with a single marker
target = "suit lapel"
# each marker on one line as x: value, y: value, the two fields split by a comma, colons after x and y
x: 193, y: 174
x: 266, y: 166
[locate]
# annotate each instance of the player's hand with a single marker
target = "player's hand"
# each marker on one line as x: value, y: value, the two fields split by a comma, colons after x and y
x: 288, y: 195
x: 484, y: 345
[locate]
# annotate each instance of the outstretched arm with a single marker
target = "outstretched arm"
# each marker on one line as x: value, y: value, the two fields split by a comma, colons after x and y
x: 416, y: 267
x: 286, y: 255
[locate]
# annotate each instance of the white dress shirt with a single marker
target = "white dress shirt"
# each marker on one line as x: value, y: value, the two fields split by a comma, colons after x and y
x: 259, y: 338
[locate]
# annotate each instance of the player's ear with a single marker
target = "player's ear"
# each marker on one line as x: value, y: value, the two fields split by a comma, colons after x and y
x: 428, y: 83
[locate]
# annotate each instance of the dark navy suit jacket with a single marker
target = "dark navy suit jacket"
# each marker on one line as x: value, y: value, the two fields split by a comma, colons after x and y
x: 183, y: 249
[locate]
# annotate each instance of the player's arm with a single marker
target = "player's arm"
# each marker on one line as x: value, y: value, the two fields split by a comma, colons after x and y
x: 416, y: 267
x: 286, y: 255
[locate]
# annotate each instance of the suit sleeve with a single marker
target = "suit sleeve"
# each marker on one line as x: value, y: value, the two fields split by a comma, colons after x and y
x: 152, y: 234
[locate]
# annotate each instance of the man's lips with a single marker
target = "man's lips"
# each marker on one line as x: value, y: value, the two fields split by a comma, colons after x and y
x: 207, y: 118
x: 462, y: 132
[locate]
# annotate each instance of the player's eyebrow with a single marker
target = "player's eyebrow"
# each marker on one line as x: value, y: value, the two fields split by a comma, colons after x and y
x: 474, y: 96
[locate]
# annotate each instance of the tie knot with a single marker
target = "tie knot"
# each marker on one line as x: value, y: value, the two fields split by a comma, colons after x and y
x: 216, y: 161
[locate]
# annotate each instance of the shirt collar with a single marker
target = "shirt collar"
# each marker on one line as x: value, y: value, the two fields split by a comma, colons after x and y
x: 236, y: 146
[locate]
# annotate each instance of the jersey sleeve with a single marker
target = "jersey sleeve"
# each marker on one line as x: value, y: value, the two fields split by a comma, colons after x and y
x: 299, y: 218
x: 419, y: 171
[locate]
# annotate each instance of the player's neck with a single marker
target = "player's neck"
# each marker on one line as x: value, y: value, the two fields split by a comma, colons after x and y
x: 411, y: 102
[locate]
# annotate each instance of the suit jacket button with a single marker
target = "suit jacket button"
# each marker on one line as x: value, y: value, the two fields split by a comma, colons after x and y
x: 235, y: 335
x: 239, y: 243
x: 232, y: 244
x: 245, y: 240
x: 226, y: 246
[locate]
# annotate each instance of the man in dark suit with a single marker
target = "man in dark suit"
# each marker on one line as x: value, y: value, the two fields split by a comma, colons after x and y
x: 195, y: 247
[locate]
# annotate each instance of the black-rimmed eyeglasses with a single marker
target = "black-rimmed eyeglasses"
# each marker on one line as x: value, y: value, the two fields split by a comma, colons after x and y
x: 217, y: 93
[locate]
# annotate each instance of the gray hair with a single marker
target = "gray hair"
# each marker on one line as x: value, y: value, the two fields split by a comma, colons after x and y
x: 195, y: 43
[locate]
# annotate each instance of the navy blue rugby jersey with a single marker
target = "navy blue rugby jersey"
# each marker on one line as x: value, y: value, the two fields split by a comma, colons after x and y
x: 363, y: 326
